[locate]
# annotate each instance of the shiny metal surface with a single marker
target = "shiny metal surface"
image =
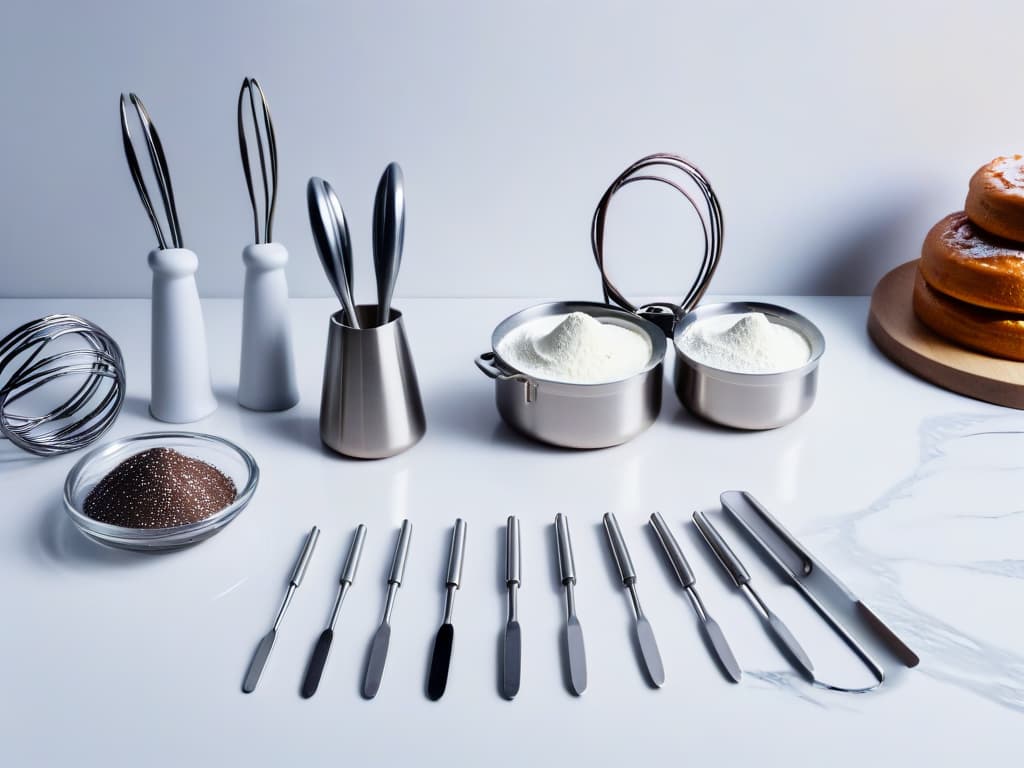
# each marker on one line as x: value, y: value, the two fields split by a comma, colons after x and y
x: 649, y: 654
x: 37, y: 356
x: 747, y: 400
x: 566, y: 561
x: 692, y: 185
x: 322, y: 649
x: 333, y: 244
x: 456, y: 554
x: 355, y: 553
x: 792, y: 648
x: 437, y: 679
x: 371, y: 406
x: 512, y: 660
x: 723, y: 652
x: 732, y: 564
x: 829, y: 596
x: 577, y: 415
x: 375, y: 663
x: 299, y: 572
x: 259, y: 659
x: 673, y: 551
x: 577, y: 653
x: 649, y: 650
x: 512, y: 653
x: 401, y: 554
x: 382, y: 637
x: 263, y: 231
x: 619, y: 550
x: 777, y: 630
x: 575, y: 649
x: 162, y: 173
x: 513, y: 558
x: 388, y: 236
x: 712, y: 631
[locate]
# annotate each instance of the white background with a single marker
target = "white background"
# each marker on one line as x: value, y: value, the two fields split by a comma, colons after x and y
x: 835, y: 134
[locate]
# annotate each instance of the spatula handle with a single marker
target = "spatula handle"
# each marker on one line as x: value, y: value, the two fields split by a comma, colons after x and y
x: 566, y: 562
x: 673, y: 550
x: 355, y: 551
x: 513, y: 564
x: 401, y: 553
x: 725, y: 555
x: 619, y: 550
x: 307, y: 554
x: 458, y: 548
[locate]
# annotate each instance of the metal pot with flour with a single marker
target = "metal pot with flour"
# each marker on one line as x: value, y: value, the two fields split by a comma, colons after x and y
x: 567, y: 379
x: 554, y: 381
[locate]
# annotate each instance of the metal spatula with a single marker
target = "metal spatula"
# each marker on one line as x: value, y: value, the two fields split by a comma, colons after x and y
x: 322, y: 649
x: 442, y: 656
x: 259, y: 659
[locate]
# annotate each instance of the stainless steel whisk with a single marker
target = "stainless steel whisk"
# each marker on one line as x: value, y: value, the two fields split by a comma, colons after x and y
x: 266, y: 149
x: 36, y: 357
x: 712, y: 225
x: 163, y: 176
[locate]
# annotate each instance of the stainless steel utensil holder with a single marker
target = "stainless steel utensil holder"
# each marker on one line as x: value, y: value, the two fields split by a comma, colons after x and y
x: 370, y: 406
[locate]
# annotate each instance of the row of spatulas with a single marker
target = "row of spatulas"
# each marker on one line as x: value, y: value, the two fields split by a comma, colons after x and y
x: 512, y: 650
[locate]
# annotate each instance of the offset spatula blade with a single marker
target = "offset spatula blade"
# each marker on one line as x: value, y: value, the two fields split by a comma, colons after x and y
x: 577, y: 656
x: 823, y: 589
x: 259, y: 660
x: 316, y: 663
x: 649, y: 652
x: 440, y: 662
x: 722, y: 649
x: 513, y: 657
x: 792, y: 648
x: 378, y: 657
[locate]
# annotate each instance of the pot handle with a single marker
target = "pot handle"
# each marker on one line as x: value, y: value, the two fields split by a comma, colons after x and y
x: 487, y: 365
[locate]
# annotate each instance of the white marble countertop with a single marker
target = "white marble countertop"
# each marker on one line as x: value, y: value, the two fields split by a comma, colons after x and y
x: 910, y: 493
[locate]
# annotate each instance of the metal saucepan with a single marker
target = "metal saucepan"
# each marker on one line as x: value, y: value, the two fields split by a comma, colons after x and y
x: 577, y: 415
x: 748, y: 400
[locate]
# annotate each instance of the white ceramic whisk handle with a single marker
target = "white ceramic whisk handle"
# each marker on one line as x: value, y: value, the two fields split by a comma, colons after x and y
x: 266, y: 380
x: 180, y: 389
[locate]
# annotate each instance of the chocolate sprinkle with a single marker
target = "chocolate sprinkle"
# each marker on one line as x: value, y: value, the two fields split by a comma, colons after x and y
x: 159, y: 488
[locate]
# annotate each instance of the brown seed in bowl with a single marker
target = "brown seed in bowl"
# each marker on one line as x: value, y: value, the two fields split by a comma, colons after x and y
x: 159, y: 488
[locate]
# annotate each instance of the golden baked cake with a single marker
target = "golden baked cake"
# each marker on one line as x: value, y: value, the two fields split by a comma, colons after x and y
x: 995, y: 198
x: 994, y: 333
x: 961, y: 261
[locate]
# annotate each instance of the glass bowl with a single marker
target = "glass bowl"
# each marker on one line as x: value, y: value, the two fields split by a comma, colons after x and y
x: 233, y: 461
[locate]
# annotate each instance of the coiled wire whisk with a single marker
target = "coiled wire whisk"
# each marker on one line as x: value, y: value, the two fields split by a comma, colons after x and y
x: 40, y: 354
x: 712, y: 225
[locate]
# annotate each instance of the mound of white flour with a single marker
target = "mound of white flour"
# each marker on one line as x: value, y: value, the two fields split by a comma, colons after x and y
x: 749, y: 343
x: 575, y: 348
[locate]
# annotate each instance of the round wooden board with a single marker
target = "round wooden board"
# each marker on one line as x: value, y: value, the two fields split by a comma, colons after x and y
x: 896, y: 331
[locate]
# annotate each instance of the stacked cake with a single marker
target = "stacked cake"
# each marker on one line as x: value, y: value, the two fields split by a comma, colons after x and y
x: 970, y: 282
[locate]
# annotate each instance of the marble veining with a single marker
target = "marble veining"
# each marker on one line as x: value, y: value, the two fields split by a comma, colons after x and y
x: 975, y: 452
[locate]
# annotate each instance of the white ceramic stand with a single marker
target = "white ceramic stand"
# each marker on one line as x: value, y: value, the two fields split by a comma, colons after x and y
x: 266, y: 381
x: 180, y: 389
